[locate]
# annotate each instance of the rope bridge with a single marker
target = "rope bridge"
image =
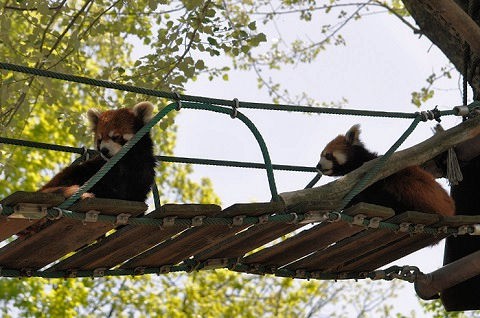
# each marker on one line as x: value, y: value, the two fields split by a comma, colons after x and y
x: 342, y: 243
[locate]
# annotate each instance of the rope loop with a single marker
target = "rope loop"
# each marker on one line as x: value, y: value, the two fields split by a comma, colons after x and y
x: 295, y: 218
x: 235, y: 106
x: 433, y: 114
x: 335, y: 217
x: 59, y: 214
x: 178, y: 99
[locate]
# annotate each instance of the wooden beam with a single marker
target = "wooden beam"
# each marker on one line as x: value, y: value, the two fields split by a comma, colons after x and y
x: 429, y: 285
x: 329, y: 196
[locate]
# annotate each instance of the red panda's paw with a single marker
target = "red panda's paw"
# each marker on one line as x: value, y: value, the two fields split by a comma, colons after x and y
x: 68, y: 191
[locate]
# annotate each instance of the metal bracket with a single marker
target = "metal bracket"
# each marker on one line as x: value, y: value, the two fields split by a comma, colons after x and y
x: 91, y: 216
x: 139, y: 270
x: 358, y: 219
x: 198, y: 220
x: 238, y: 220
x: 301, y: 273
x: 165, y: 269
x: 314, y: 217
x: 404, y: 227
x: 419, y: 228
x: 71, y: 273
x: 374, y: 222
x: 442, y: 230
x: 169, y: 221
x: 122, y: 219
x: 99, y: 272
x: 462, y: 230
x: 262, y: 219
x: 30, y: 211
x: 476, y: 229
x: 215, y: 263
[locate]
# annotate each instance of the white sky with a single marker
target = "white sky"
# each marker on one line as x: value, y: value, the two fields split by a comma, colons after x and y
x: 381, y: 65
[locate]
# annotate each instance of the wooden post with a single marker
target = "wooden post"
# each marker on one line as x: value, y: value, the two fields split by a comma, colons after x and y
x: 464, y: 296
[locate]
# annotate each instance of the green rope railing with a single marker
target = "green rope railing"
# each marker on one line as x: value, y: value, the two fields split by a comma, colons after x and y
x: 206, y: 100
x: 55, y: 213
x: 146, y: 128
x: 406, y: 273
x: 173, y: 159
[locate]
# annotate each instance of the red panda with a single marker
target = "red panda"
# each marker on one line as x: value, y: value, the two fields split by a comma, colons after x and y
x: 410, y: 189
x: 132, y: 177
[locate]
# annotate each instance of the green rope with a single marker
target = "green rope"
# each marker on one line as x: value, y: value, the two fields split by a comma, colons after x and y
x: 360, y: 185
x: 199, y: 99
x: 406, y: 273
x: 197, y: 161
x: 255, y: 132
x: 146, y: 128
x: 279, y: 218
x: 156, y: 196
x: 40, y: 145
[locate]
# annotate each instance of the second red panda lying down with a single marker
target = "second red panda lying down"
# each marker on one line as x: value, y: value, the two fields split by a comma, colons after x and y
x: 410, y: 189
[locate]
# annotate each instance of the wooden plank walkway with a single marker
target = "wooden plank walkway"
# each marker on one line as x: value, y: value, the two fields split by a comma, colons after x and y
x: 329, y: 247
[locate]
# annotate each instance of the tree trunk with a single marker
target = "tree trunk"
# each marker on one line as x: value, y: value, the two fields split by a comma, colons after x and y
x: 454, y: 27
x: 450, y: 25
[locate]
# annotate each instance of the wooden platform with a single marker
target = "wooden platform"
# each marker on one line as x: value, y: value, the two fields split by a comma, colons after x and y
x: 329, y: 247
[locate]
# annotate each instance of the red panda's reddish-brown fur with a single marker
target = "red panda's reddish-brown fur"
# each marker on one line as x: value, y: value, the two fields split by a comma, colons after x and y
x: 411, y: 189
x: 132, y: 177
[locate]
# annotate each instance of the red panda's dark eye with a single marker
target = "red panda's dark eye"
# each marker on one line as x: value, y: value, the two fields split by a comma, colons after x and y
x: 328, y: 156
x: 117, y: 139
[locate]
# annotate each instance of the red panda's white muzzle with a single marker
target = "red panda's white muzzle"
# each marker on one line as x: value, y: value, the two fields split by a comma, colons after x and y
x: 108, y: 148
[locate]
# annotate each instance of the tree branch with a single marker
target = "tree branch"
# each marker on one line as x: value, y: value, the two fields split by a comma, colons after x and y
x: 330, y: 195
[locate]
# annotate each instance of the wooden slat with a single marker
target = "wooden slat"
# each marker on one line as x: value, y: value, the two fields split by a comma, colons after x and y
x: 65, y: 235
x: 197, y: 239
x: 397, y: 249
x: 334, y: 257
x: 11, y: 226
x: 316, y: 238
x: 131, y: 240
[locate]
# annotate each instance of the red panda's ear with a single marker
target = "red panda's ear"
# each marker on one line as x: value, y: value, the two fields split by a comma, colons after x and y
x: 144, y: 111
x: 353, y: 135
x: 93, y: 115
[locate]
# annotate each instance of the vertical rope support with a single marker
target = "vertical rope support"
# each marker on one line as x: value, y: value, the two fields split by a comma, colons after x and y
x: 156, y: 196
x: 255, y: 132
x: 466, y: 59
x: 381, y: 162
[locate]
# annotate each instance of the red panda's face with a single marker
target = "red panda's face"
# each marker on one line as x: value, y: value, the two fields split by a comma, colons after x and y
x: 114, y: 128
x: 333, y: 156
x: 335, y: 159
